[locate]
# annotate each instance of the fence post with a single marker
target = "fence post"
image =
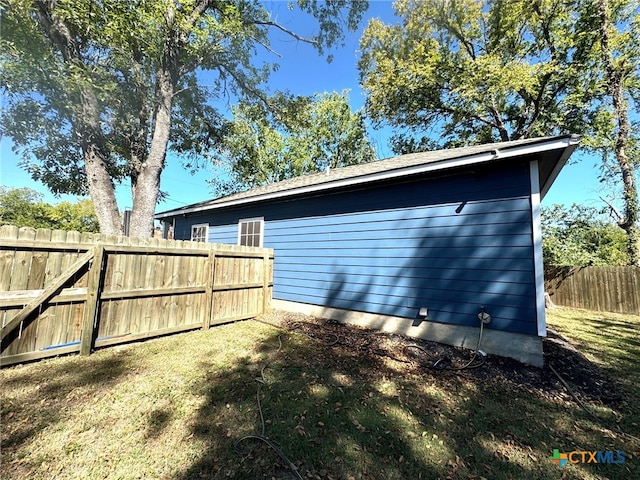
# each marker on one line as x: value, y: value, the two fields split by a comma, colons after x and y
x: 209, y: 291
x: 89, y: 317
x: 265, y: 282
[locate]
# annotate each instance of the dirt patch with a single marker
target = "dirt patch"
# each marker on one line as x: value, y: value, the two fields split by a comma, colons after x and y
x: 588, y: 382
x: 585, y: 377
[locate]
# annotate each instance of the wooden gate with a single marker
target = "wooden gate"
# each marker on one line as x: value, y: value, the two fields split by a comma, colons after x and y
x: 65, y: 292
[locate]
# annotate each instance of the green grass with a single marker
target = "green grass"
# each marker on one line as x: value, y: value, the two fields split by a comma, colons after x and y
x: 173, y: 408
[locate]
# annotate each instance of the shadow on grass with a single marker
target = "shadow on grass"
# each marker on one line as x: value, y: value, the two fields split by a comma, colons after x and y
x: 40, y: 398
x: 337, y: 411
x: 320, y: 405
x: 611, y: 339
x: 343, y: 412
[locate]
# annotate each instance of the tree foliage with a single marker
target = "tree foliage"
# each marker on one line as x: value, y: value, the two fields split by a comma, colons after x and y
x: 23, y: 207
x: 475, y: 71
x: 613, y: 134
x: 581, y: 236
x: 97, y: 91
x: 303, y: 135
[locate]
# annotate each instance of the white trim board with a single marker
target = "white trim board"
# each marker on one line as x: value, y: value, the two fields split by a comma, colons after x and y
x: 538, y: 264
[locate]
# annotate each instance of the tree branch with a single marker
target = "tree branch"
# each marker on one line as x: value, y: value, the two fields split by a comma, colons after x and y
x: 243, y: 85
x: 545, y: 31
x: 285, y: 30
x: 443, y: 109
x: 199, y: 8
x: 614, y: 211
x: 267, y: 47
x: 504, y: 134
x: 468, y: 46
x: 57, y: 31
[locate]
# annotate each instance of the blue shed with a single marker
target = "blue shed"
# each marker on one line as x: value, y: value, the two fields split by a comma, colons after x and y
x: 415, y: 244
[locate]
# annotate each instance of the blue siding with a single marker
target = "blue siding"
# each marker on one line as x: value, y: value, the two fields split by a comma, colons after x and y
x: 450, y: 244
x: 224, y: 234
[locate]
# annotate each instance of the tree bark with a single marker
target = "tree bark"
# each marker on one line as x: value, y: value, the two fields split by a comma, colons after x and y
x: 101, y: 189
x: 615, y: 77
x: 548, y: 303
x: 145, y: 182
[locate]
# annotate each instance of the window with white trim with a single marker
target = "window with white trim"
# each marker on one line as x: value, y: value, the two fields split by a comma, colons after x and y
x: 250, y: 232
x: 200, y: 233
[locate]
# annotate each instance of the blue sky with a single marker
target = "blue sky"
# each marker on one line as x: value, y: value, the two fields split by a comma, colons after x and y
x: 304, y: 72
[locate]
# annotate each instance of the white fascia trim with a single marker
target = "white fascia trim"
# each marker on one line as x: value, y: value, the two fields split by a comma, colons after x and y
x: 517, y: 151
x: 538, y: 265
x: 558, y: 166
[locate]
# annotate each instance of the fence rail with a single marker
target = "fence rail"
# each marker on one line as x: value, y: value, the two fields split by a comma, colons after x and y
x: 605, y: 289
x: 64, y: 292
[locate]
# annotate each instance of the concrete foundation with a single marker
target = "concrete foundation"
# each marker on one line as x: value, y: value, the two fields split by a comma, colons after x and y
x: 524, y: 348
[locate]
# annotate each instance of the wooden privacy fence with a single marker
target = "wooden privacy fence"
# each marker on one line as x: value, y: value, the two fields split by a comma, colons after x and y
x: 64, y: 292
x: 605, y: 289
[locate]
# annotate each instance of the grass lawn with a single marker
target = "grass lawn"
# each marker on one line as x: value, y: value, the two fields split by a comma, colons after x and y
x: 340, y: 402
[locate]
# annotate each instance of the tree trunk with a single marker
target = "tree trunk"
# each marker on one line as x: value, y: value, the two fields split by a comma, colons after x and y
x: 100, y: 184
x: 631, y: 215
x: 615, y: 77
x: 102, y: 191
x: 145, y: 184
x: 548, y: 303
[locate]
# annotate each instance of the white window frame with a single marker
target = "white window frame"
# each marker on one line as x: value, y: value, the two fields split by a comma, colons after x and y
x: 204, y: 239
x: 247, y: 220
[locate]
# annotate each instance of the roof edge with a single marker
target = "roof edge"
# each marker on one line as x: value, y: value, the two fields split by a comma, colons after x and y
x: 493, y: 152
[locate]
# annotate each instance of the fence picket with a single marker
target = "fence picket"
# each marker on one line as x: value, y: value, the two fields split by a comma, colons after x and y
x: 610, y: 289
x: 59, y: 325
